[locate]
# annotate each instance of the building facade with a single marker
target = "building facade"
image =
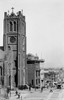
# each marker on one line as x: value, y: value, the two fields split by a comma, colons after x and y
x: 1, y: 67
x: 33, y: 70
x: 15, y: 37
x: 9, y: 69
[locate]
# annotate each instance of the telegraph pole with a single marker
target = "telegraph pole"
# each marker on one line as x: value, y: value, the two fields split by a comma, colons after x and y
x: 17, y: 55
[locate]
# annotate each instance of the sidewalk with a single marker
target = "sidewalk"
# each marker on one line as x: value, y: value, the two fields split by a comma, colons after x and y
x: 23, y: 94
x: 61, y: 96
x: 37, y: 95
x: 31, y: 95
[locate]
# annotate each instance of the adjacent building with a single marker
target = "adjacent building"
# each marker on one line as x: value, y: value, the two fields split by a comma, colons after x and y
x: 33, y: 70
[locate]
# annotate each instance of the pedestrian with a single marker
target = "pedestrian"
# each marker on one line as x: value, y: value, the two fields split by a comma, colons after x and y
x: 29, y: 87
x: 41, y: 89
x: 7, y: 92
x: 10, y: 93
x: 16, y: 92
x: 51, y: 89
x: 18, y: 95
x: 35, y: 88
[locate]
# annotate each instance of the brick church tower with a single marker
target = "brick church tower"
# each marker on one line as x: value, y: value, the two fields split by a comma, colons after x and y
x: 15, y: 37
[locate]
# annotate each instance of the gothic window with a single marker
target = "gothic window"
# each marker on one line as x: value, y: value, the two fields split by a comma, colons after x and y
x: 37, y: 73
x: 14, y: 26
x: 11, y: 26
x: 8, y: 27
x: 23, y: 29
x: 23, y: 40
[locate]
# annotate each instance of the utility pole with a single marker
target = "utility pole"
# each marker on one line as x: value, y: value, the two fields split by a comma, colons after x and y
x: 17, y: 56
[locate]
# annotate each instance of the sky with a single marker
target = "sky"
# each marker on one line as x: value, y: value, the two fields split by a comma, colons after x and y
x: 44, y: 27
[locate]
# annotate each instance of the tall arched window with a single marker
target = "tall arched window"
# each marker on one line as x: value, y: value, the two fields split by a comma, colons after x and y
x: 11, y: 26
x: 14, y: 26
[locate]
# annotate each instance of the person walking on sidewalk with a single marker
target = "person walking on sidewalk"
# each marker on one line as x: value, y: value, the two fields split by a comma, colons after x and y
x: 30, y: 87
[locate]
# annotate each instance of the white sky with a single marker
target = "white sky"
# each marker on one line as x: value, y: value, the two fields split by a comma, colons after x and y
x: 44, y: 27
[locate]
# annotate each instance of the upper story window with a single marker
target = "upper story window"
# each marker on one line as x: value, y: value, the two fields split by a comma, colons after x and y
x: 11, y: 26
x: 37, y: 73
x: 14, y: 26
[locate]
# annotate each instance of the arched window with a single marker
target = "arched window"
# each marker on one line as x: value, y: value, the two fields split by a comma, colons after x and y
x: 11, y: 26
x: 14, y: 26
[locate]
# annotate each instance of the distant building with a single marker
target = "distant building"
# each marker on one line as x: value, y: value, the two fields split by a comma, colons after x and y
x: 33, y: 70
x: 51, y: 75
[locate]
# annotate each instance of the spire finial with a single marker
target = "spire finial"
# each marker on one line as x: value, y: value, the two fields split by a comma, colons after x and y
x: 8, y: 12
x: 22, y: 11
x: 12, y: 9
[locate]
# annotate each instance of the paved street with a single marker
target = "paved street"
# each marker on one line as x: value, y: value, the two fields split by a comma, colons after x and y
x: 37, y: 95
x: 46, y: 95
x: 55, y: 95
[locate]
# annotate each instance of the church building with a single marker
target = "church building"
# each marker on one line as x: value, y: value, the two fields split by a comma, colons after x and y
x: 15, y: 37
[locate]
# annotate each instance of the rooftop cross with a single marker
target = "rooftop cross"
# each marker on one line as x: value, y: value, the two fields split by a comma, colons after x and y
x: 8, y: 12
x: 12, y: 9
x: 22, y: 11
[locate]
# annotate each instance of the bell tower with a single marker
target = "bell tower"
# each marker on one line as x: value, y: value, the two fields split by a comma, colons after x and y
x: 15, y: 37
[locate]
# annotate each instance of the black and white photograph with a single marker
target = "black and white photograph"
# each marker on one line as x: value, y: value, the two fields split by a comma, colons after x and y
x: 31, y: 49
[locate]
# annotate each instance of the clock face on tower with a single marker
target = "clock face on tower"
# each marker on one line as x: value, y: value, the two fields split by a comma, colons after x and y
x: 12, y: 39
